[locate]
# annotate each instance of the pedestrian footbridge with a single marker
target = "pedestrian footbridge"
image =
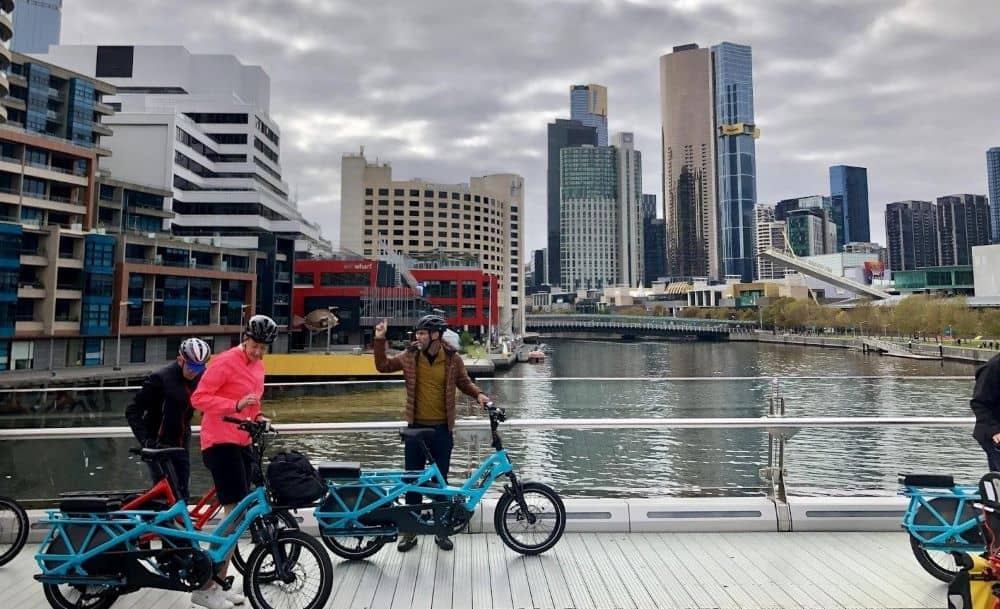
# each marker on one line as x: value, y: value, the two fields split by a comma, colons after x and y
x: 822, y: 273
x: 681, y: 327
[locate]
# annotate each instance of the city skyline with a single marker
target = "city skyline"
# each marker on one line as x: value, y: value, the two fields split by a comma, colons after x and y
x: 823, y: 99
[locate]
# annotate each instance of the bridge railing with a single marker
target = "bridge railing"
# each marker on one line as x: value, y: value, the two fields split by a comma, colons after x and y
x: 560, y: 432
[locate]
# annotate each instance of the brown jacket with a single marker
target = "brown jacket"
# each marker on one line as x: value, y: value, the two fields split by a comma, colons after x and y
x: 455, y: 377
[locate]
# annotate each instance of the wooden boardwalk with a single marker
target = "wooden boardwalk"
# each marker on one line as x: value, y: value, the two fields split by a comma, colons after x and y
x: 605, y: 571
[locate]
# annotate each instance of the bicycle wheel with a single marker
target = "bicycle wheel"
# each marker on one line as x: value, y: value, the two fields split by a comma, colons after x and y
x: 300, y: 576
x: 941, y: 565
x: 13, y: 529
x: 354, y: 547
x: 67, y: 596
x: 536, y: 530
x: 243, y: 549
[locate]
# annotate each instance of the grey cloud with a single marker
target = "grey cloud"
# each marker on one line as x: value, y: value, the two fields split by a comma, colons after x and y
x: 904, y: 88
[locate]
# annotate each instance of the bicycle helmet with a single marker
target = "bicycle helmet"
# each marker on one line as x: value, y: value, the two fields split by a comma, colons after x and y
x: 262, y: 329
x: 195, y: 353
x: 431, y: 323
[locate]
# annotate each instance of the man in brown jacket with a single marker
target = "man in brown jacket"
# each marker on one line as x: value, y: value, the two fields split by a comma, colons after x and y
x: 432, y: 370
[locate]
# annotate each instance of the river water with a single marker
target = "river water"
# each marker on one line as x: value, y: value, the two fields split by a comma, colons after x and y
x: 618, y: 380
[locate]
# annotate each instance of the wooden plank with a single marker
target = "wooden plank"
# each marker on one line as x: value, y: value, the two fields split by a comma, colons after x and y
x: 499, y: 579
x: 780, y: 574
x: 406, y: 582
x: 618, y: 568
x: 461, y: 594
x: 346, y: 578
x: 370, y: 577
x: 423, y: 589
x: 890, y: 583
x: 444, y: 573
x: 576, y: 586
x: 714, y: 571
x: 588, y: 570
x: 705, y: 592
x: 391, y: 565
x: 482, y: 589
x: 758, y: 584
x: 548, y: 587
x: 665, y: 589
x: 820, y: 571
x: 520, y: 586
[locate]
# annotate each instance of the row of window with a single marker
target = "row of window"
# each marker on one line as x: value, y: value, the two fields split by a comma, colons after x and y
x: 227, y: 209
x: 197, y: 168
x: 191, y: 142
x: 268, y: 133
x: 442, y: 194
x: 263, y: 148
x: 217, y: 118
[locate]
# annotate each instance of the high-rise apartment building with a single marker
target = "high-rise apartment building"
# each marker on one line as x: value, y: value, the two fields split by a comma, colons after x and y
x: 689, y: 135
x: 811, y: 232
x: 963, y: 222
x: 911, y: 232
x: 200, y: 125
x: 735, y: 157
x: 849, y: 197
x: 770, y: 234
x: 483, y: 218
x: 561, y: 134
x: 36, y: 25
x: 589, y: 105
x: 630, y: 205
x: 993, y: 183
x: 589, y: 217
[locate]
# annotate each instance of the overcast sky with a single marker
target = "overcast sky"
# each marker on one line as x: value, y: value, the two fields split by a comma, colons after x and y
x: 448, y: 90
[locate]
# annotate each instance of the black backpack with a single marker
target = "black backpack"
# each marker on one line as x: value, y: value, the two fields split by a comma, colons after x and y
x: 293, y: 480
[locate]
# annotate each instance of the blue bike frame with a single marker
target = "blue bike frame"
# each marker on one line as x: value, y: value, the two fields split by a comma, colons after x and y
x: 389, y: 485
x: 945, y: 534
x: 127, y: 527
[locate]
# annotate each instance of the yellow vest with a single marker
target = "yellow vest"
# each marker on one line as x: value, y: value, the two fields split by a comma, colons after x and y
x: 430, y: 407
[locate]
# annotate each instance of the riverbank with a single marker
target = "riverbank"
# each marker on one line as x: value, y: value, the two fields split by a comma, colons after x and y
x: 928, y: 349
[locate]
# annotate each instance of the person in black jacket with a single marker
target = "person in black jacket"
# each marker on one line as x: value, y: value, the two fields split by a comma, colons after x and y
x: 160, y: 413
x: 985, y: 404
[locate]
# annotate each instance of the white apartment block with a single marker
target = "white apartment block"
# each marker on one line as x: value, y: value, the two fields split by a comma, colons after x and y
x: 484, y: 218
x: 630, y: 219
x: 770, y: 234
x: 198, y: 125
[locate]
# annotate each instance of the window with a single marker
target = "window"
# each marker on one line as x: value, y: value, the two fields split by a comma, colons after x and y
x: 344, y: 279
x: 383, y: 192
x: 137, y: 353
x: 398, y: 192
x: 305, y: 278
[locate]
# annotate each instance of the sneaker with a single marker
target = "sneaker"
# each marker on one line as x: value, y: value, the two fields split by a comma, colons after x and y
x: 444, y: 543
x: 407, y: 542
x: 213, y: 598
x: 235, y: 597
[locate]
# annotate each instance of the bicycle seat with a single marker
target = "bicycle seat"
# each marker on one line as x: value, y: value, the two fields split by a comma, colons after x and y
x: 928, y: 480
x: 89, y: 505
x: 416, y: 434
x: 155, y: 454
x: 339, y: 470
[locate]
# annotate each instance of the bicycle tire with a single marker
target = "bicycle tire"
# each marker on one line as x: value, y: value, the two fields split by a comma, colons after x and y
x: 54, y: 594
x: 501, y: 520
x: 13, y: 529
x: 363, y: 550
x: 940, y: 565
x: 259, y: 582
x: 240, y: 557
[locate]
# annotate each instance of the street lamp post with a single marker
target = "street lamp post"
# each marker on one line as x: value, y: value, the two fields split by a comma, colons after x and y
x: 118, y: 356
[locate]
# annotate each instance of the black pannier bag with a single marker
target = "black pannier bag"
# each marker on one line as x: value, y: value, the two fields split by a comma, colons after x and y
x: 293, y: 480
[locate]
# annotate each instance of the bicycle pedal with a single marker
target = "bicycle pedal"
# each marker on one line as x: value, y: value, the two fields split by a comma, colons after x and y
x: 225, y: 583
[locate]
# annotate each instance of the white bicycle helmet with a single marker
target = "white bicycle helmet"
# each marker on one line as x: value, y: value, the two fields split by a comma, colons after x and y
x: 196, y: 353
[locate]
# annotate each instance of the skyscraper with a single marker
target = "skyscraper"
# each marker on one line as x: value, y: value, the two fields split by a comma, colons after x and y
x: 911, y: 231
x: 630, y: 225
x: 736, y: 156
x: 653, y: 242
x: 993, y: 182
x: 770, y: 235
x: 589, y: 105
x: 562, y: 134
x: 589, y: 217
x: 849, y: 194
x: 689, y: 180
x: 963, y: 221
x: 36, y: 25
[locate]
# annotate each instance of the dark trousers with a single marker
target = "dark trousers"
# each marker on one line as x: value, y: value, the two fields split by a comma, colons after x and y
x: 182, y: 469
x: 440, y: 447
x: 992, y: 454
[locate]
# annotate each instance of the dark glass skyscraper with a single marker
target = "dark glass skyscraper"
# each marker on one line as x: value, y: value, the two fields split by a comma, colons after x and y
x: 963, y: 223
x: 849, y: 195
x: 736, y: 157
x: 589, y: 105
x: 654, y: 242
x: 993, y: 182
x: 562, y: 134
x: 911, y: 230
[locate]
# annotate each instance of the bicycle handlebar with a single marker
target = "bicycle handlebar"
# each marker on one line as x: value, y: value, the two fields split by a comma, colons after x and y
x: 251, y: 427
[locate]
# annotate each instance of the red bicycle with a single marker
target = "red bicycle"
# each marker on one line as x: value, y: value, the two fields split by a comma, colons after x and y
x: 163, y: 495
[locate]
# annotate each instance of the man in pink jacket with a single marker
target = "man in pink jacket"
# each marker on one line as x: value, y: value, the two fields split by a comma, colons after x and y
x: 231, y: 386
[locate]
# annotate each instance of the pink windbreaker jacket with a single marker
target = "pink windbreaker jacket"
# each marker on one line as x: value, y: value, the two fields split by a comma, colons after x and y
x: 230, y: 376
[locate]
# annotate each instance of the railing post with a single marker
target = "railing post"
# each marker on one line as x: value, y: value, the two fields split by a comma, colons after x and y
x: 774, y: 474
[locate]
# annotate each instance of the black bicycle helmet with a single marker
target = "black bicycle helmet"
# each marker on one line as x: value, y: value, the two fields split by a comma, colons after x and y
x: 262, y: 329
x: 431, y: 323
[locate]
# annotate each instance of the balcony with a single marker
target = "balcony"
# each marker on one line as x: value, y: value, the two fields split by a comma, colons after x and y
x: 68, y: 318
x: 31, y: 290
